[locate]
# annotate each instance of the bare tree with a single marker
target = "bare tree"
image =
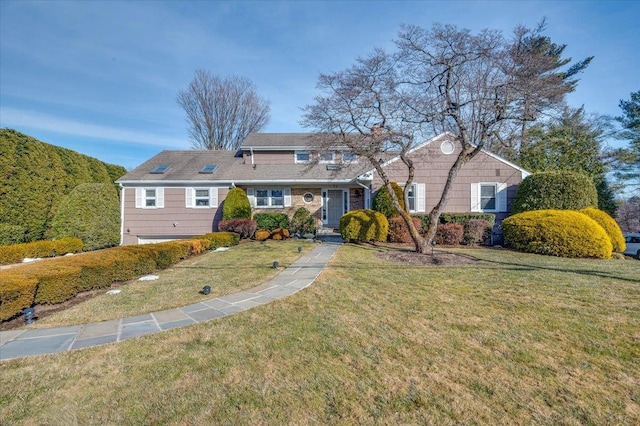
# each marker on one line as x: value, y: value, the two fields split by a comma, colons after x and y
x: 440, y: 80
x: 222, y: 112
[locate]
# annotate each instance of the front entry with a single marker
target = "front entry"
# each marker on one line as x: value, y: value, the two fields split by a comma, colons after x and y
x: 333, y: 205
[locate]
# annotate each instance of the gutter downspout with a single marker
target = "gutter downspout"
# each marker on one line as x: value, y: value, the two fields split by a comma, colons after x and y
x: 251, y: 151
x: 122, y: 189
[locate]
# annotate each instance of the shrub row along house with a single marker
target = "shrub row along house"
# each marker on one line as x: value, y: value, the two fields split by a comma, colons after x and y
x: 178, y: 194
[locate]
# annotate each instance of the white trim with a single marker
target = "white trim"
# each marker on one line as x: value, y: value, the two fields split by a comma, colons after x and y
x: 500, y: 197
x: 420, y: 197
x: 295, y: 157
x: 251, y: 194
x: 141, y: 198
x: 286, y: 194
x: 122, y: 194
x: 333, y: 157
x: 191, y: 199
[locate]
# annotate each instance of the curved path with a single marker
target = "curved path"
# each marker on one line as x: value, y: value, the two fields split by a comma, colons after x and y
x: 28, y: 342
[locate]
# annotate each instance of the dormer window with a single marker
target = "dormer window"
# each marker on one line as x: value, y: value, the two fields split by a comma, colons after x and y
x: 208, y: 169
x: 326, y: 157
x: 158, y: 170
x: 303, y: 157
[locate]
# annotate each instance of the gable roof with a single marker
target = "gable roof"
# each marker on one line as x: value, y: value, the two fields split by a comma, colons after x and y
x: 185, y: 167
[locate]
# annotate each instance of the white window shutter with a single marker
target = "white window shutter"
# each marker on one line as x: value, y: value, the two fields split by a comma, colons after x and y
x: 189, y: 197
x: 213, y: 197
x: 287, y: 197
x: 475, y: 197
x: 160, y: 198
x: 420, y: 197
x: 139, y: 198
x: 251, y: 194
x: 501, y: 197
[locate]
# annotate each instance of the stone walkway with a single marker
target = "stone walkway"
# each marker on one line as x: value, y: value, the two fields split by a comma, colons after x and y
x: 28, y: 342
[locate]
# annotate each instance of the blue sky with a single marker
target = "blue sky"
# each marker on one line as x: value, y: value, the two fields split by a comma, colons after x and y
x: 101, y: 77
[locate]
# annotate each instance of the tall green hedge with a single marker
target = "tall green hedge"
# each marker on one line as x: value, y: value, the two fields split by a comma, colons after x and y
x: 236, y: 205
x: 561, y: 190
x: 90, y: 212
x: 36, y: 176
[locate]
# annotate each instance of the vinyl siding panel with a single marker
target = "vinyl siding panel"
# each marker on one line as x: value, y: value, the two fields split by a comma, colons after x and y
x: 160, y: 222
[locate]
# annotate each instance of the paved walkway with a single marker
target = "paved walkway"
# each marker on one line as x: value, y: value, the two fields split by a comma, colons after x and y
x: 28, y: 342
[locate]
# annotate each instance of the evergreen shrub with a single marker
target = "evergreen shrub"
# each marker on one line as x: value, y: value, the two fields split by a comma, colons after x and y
x: 245, y: 228
x: 271, y: 221
x: 16, y: 252
x: 364, y: 226
x: 449, y: 234
x: 18, y: 291
x: 562, y: 190
x: 303, y: 222
x: 221, y: 239
x: 382, y: 201
x: 609, y: 225
x: 236, y: 205
x: 11, y: 234
x: 563, y: 233
x: 90, y: 212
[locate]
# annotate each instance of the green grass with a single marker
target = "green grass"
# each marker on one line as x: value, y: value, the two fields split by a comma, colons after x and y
x: 241, y: 268
x: 513, y: 339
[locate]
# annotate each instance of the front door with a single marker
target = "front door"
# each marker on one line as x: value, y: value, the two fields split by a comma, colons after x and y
x: 334, y: 204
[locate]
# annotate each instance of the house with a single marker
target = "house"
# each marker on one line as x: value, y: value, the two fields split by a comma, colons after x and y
x: 178, y: 194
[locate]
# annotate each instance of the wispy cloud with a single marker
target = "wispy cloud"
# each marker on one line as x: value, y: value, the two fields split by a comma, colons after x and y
x: 17, y: 118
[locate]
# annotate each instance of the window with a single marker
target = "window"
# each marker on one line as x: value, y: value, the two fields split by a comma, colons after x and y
x: 149, y: 198
x: 411, y: 198
x: 489, y: 197
x: 160, y: 169
x: 307, y: 197
x: 303, y: 157
x: 201, y: 198
x: 326, y: 157
x: 209, y: 168
x: 349, y: 157
x: 416, y: 198
x: 447, y: 147
x: 270, y: 197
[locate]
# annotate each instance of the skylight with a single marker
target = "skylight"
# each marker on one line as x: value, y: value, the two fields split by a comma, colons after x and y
x: 209, y: 168
x: 160, y: 169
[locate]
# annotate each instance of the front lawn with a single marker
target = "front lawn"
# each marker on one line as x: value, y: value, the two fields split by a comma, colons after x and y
x: 510, y: 339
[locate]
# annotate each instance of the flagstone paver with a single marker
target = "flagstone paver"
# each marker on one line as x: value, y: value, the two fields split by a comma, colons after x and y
x: 29, y: 342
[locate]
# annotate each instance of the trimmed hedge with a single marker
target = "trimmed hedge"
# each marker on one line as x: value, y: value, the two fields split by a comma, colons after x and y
x: 57, y: 280
x: 11, y: 234
x: 382, y: 201
x: 561, y: 190
x: 364, y: 226
x: 609, y: 225
x: 271, y: 221
x: 477, y: 232
x: 245, y: 228
x: 90, y: 212
x: 17, y: 252
x: 563, y: 233
x: 236, y: 205
x: 461, y: 218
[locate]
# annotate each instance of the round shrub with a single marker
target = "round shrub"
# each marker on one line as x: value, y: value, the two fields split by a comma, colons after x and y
x: 303, y: 222
x: 609, y: 225
x: 561, y: 190
x: 477, y: 231
x: 364, y: 226
x: 398, y: 230
x: 246, y: 228
x: 236, y: 205
x: 563, y: 233
x: 382, y: 201
x: 449, y: 234
x: 271, y: 221
x: 90, y: 212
